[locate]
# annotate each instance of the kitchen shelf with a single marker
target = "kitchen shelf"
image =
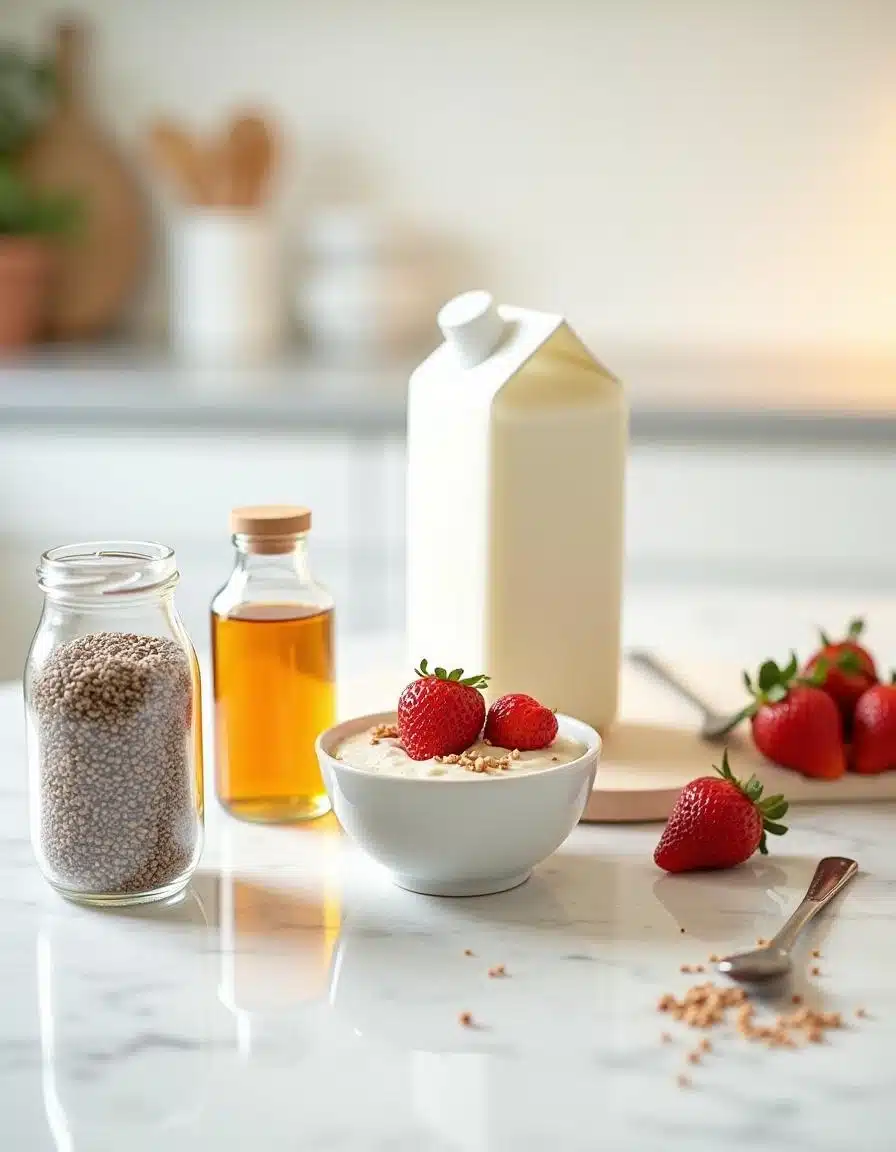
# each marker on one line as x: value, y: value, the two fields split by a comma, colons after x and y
x: 126, y: 385
x: 677, y: 394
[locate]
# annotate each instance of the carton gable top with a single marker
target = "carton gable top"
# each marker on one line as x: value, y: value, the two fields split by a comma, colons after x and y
x: 526, y: 333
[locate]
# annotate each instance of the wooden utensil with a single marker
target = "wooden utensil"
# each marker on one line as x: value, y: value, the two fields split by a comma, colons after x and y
x: 99, y: 266
x: 251, y: 149
x: 183, y: 160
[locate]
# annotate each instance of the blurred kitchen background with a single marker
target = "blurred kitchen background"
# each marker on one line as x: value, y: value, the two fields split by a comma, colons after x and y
x: 255, y: 210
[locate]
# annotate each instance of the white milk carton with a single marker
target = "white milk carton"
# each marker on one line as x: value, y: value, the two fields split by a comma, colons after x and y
x: 516, y: 467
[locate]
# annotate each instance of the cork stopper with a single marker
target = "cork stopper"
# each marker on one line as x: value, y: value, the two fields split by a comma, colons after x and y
x: 270, y: 526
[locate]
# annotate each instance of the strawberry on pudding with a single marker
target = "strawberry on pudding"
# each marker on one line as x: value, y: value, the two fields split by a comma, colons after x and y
x: 439, y: 733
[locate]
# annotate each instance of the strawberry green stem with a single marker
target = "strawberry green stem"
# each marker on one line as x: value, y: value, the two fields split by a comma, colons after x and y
x: 771, y: 809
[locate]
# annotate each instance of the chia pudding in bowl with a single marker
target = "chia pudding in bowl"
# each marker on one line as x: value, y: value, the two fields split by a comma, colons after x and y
x: 458, y: 824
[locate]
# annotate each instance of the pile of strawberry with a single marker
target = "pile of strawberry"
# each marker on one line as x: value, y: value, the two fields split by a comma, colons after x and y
x: 832, y: 716
x: 443, y: 713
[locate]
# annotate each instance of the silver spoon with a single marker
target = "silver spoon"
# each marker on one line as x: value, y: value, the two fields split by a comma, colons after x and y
x: 716, y: 725
x: 773, y: 960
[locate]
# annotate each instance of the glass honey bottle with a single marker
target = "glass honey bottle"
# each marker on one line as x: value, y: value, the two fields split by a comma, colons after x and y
x: 273, y: 666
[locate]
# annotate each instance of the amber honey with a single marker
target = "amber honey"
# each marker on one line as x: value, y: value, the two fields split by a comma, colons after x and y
x: 274, y: 693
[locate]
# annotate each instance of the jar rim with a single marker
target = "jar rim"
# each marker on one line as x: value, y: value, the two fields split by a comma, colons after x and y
x: 107, y: 568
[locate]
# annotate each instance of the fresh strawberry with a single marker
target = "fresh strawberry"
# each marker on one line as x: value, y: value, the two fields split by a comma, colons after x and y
x: 519, y: 721
x: 848, y: 669
x: 718, y: 822
x: 440, y: 713
x: 794, y: 722
x: 874, y: 730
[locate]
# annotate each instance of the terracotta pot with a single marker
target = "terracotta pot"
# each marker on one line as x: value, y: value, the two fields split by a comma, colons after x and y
x: 24, y: 283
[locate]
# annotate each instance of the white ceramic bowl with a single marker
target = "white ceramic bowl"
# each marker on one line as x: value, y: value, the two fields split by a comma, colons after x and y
x: 458, y: 837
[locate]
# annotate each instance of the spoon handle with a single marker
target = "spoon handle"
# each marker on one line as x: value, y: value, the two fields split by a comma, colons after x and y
x: 665, y: 675
x: 832, y: 873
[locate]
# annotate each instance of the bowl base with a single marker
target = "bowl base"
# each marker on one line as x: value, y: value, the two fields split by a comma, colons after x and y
x: 460, y: 887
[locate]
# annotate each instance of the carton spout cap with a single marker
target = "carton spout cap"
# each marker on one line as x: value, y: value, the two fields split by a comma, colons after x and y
x: 472, y: 326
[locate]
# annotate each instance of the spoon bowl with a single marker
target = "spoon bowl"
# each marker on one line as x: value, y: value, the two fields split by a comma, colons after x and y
x: 757, y: 965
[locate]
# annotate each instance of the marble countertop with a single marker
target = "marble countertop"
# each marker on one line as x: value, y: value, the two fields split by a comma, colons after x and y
x: 295, y: 1000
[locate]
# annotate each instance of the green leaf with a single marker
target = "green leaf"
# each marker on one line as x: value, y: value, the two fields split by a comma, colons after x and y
x: 423, y: 670
x: 825, y: 639
x: 775, y: 811
x: 24, y: 211
x: 849, y: 661
x: 441, y: 674
x: 769, y: 674
x: 775, y: 829
x: 455, y: 674
x: 748, y: 683
x: 856, y: 628
x: 791, y: 668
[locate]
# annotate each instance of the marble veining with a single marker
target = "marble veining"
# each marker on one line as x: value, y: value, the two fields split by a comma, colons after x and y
x: 294, y: 999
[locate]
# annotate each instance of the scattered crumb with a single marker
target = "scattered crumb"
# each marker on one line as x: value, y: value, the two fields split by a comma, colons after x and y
x: 706, y: 1005
x: 465, y: 1019
x: 713, y: 958
x: 699, y: 968
x: 681, y: 930
x: 554, y: 760
x: 683, y: 1081
x: 468, y: 952
x: 861, y: 1013
x: 796, y: 998
x: 816, y: 953
x: 666, y: 1037
x: 816, y: 971
x: 383, y: 732
x: 761, y: 941
x: 685, y: 968
x: 498, y: 970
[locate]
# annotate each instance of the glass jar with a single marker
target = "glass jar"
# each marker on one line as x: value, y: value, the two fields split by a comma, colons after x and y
x: 112, y: 704
x: 274, y: 681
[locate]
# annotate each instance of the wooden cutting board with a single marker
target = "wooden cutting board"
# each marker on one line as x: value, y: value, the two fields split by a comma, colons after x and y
x: 97, y: 268
x: 654, y: 750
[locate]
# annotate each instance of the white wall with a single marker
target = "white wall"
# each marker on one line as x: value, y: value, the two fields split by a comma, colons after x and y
x: 695, y: 170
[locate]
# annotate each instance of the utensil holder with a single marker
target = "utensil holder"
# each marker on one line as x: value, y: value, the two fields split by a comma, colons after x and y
x: 226, y: 299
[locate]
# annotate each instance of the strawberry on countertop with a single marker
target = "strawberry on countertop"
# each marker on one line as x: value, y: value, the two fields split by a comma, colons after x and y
x: 874, y: 730
x: 718, y: 822
x: 440, y: 713
x: 848, y: 669
x: 519, y: 721
x: 795, y: 723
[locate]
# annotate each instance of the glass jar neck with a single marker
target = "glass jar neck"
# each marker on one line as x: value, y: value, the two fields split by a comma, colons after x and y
x: 108, y: 574
x: 286, y: 554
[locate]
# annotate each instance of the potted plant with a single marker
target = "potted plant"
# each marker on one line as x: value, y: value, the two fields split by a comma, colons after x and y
x: 30, y: 221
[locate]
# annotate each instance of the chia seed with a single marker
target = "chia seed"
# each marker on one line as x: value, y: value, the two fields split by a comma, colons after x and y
x: 119, y: 806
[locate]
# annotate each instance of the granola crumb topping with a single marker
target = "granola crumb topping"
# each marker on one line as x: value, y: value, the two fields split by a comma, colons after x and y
x: 465, y: 1019
x: 683, y: 1081
x: 816, y: 953
x: 498, y: 970
x: 468, y: 951
x: 816, y: 971
x: 383, y: 732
